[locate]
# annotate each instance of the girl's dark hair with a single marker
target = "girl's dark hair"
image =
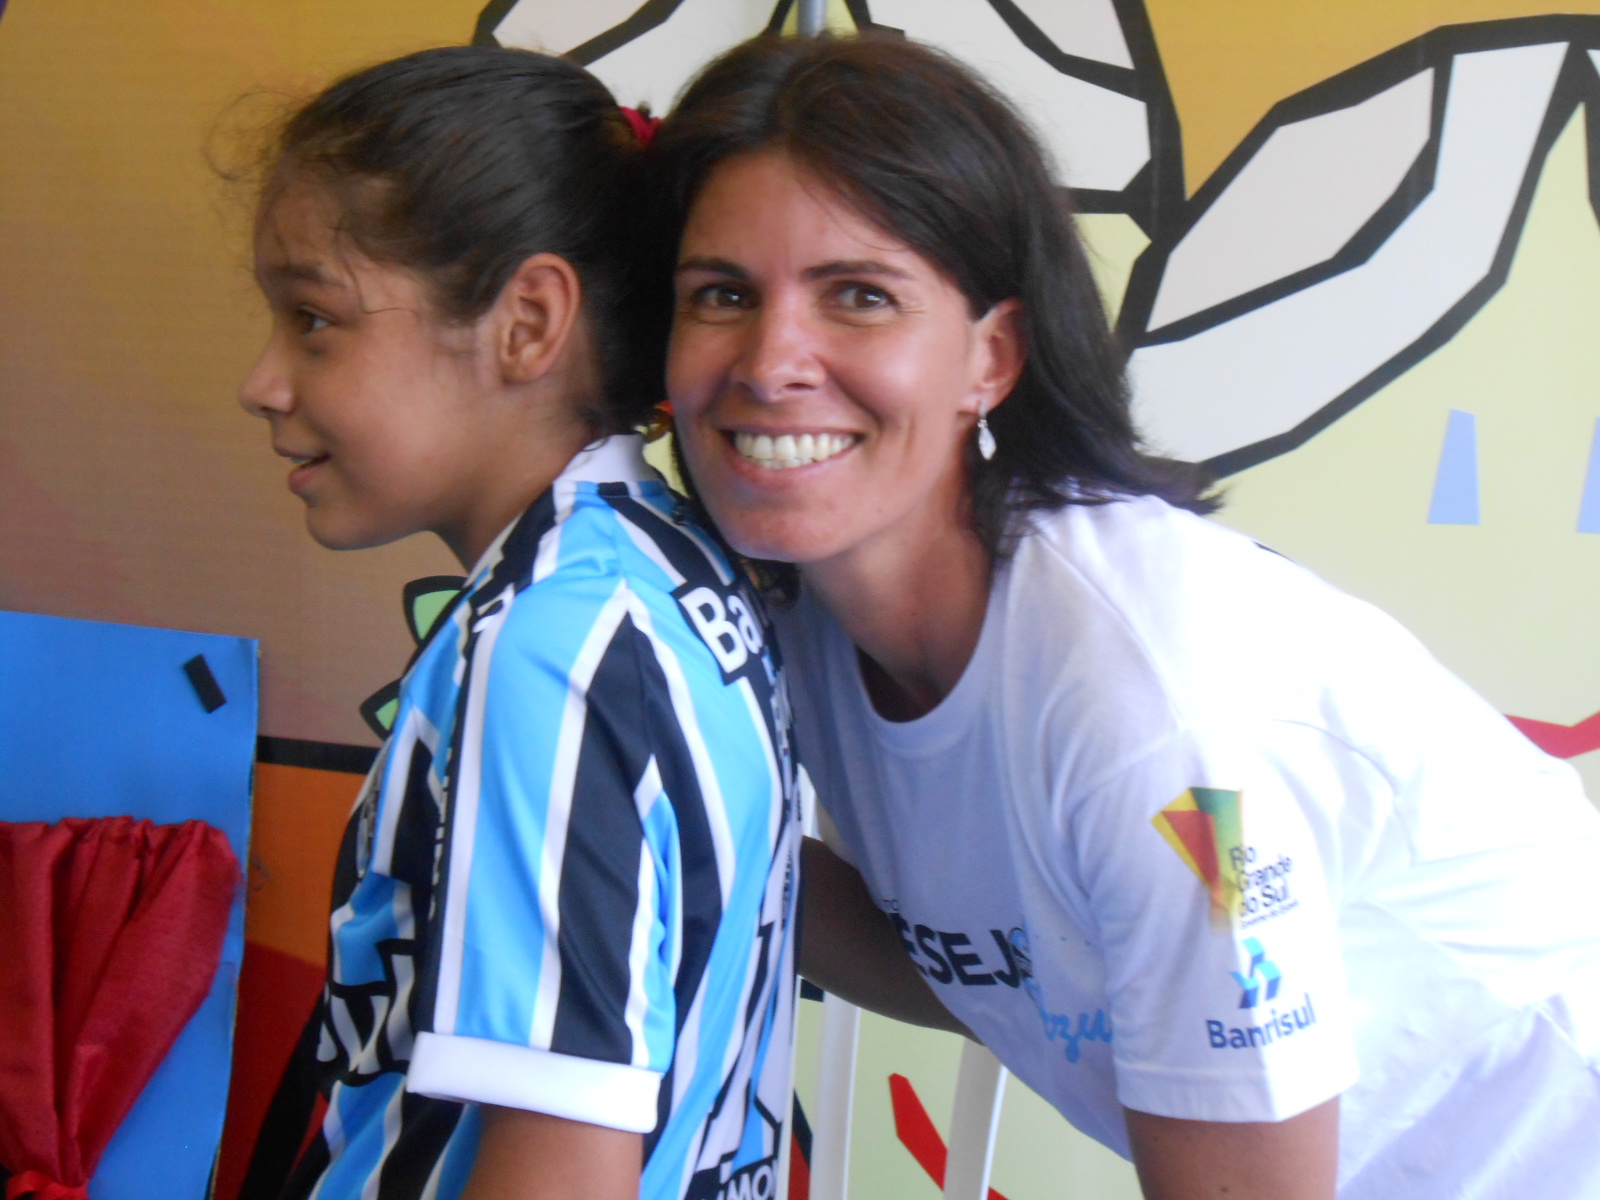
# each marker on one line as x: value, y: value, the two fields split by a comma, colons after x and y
x: 928, y: 151
x: 460, y: 163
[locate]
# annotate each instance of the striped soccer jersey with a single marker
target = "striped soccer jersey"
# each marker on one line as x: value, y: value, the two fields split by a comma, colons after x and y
x: 569, y: 883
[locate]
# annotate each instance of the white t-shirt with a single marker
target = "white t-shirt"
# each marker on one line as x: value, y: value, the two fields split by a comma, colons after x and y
x: 1198, y: 834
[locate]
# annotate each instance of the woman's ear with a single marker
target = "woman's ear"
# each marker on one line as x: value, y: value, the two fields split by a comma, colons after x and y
x: 536, y: 318
x: 1001, y: 352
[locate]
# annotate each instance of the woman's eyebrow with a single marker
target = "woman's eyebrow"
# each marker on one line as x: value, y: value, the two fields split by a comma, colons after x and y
x: 714, y: 266
x: 854, y: 266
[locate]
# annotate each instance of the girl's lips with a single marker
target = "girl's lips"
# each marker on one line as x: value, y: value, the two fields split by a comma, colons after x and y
x: 304, y: 473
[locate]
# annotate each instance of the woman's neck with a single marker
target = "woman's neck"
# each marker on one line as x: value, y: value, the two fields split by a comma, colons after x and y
x: 914, y: 609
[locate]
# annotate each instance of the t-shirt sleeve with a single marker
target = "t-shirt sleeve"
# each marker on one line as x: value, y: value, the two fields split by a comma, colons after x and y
x: 556, y: 926
x: 1210, y: 870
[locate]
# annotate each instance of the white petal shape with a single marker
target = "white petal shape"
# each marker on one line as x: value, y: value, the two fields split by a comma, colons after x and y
x: 655, y: 66
x: 1300, y: 198
x: 1267, y: 371
x: 557, y: 26
x: 1086, y: 28
x: 1099, y: 138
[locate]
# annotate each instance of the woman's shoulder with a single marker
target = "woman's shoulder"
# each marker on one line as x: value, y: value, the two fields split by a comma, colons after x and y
x: 1176, y: 611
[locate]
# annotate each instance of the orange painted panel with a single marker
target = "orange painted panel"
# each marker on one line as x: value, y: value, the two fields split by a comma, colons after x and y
x: 300, y: 816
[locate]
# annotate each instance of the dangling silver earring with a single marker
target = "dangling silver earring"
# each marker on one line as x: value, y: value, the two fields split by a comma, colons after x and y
x: 985, y: 437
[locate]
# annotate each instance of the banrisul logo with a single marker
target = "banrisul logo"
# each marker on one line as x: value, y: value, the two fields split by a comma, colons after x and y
x: 1258, y: 984
x: 1204, y: 826
x: 1261, y: 983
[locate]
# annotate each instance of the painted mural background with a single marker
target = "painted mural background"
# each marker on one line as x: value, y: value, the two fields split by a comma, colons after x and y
x: 1352, y: 246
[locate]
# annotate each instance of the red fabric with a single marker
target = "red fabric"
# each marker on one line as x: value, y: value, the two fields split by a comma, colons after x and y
x: 42, y: 1187
x: 644, y: 128
x: 115, y: 929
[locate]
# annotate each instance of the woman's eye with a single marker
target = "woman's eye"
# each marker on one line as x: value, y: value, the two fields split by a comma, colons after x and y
x: 310, y: 322
x: 862, y: 297
x: 722, y: 297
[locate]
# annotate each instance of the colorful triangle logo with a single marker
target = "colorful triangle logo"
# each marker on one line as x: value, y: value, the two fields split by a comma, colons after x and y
x: 1205, y: 829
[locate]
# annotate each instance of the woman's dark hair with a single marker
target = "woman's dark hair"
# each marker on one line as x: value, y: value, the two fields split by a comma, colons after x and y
x: 460, y: 163
x: 928, y: 151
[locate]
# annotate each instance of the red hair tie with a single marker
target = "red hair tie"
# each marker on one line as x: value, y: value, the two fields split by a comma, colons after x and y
x: 644, y: 128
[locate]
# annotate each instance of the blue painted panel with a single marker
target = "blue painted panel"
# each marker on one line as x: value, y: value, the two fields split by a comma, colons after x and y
x: 1455, y: 486
x: 100, y: 720
x: 1589, y: 510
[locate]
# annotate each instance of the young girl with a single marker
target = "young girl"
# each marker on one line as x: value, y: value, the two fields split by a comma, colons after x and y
x: 560, y: 961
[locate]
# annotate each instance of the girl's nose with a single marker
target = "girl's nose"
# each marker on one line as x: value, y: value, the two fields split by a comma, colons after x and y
x: 266, y: 388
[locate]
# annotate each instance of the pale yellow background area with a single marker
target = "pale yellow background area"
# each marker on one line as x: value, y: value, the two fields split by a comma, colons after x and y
x: 133, y: 487
x: 1513, y: 604
x: 1037, y: 1155
x: 1228, y: 61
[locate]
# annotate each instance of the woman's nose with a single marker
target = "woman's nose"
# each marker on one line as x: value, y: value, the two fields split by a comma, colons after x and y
x: 781, y: 355
x: 266, y: 389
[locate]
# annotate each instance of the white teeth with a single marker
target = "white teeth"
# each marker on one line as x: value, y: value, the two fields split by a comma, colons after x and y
x: 788, y: 450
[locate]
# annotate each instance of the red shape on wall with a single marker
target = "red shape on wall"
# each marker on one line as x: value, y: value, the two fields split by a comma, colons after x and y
x: 277, y: 993
x: 918, y: 1133
x: 1562, y: 741
x: 799, y: 1171
x: 116, y: 928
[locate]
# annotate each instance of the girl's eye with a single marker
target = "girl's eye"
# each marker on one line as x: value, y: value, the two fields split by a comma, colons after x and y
x: 310, y: 322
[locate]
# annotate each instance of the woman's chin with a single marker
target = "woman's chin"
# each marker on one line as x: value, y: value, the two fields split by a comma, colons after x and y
x: 786, y: 539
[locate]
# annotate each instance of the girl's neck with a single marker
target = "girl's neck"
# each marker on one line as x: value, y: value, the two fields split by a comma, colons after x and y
x: 914, y: 609
x: 524, y: 466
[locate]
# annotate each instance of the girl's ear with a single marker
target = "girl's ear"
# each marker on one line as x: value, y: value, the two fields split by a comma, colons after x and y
x: 536, y: 318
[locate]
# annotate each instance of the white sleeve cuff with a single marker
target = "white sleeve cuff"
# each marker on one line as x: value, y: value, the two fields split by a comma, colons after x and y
x: 479, y: 1071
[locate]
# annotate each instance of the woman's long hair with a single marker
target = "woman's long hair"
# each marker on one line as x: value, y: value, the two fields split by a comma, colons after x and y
x: 925, y: 149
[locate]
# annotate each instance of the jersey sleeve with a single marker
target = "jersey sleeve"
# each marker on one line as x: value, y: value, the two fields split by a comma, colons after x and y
x: 1211, y: 871
x: 557, y: 930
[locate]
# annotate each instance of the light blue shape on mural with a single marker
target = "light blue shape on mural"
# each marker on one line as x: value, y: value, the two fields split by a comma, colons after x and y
x: 1455, y: 487
x: 1589, y: 510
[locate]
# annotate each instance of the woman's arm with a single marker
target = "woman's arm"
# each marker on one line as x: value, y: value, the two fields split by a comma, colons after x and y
x: 1296, y: 1159
x: 535, y: 1156
x: 848, y: 947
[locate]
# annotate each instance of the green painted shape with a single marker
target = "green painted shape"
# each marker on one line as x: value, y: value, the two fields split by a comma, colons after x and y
x: 425, y: 609
x: 387, y: 713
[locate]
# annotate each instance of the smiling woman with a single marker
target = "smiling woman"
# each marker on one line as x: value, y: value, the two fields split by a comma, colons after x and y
x: 1086, y: 752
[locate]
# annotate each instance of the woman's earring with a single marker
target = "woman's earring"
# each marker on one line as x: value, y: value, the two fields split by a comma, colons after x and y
x: 985, y: 437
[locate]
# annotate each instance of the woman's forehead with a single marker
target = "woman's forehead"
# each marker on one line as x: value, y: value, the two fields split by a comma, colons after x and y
x: 765, y: 203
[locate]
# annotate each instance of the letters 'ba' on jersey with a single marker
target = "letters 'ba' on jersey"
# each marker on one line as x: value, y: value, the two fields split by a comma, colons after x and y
x: 568, y: 886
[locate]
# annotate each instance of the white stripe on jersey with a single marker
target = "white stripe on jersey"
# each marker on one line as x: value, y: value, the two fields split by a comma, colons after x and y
x: 391, y: 1135
x: 774, y: 769
x: 332, y: 1134
x: 644, y: 919
x: 548, y: 557
x: 704, y: 767
x: 405, y: 979
x: 564, y: 778
x: 693, y: 534
x: 464, y: 818
x: 648, y: 547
